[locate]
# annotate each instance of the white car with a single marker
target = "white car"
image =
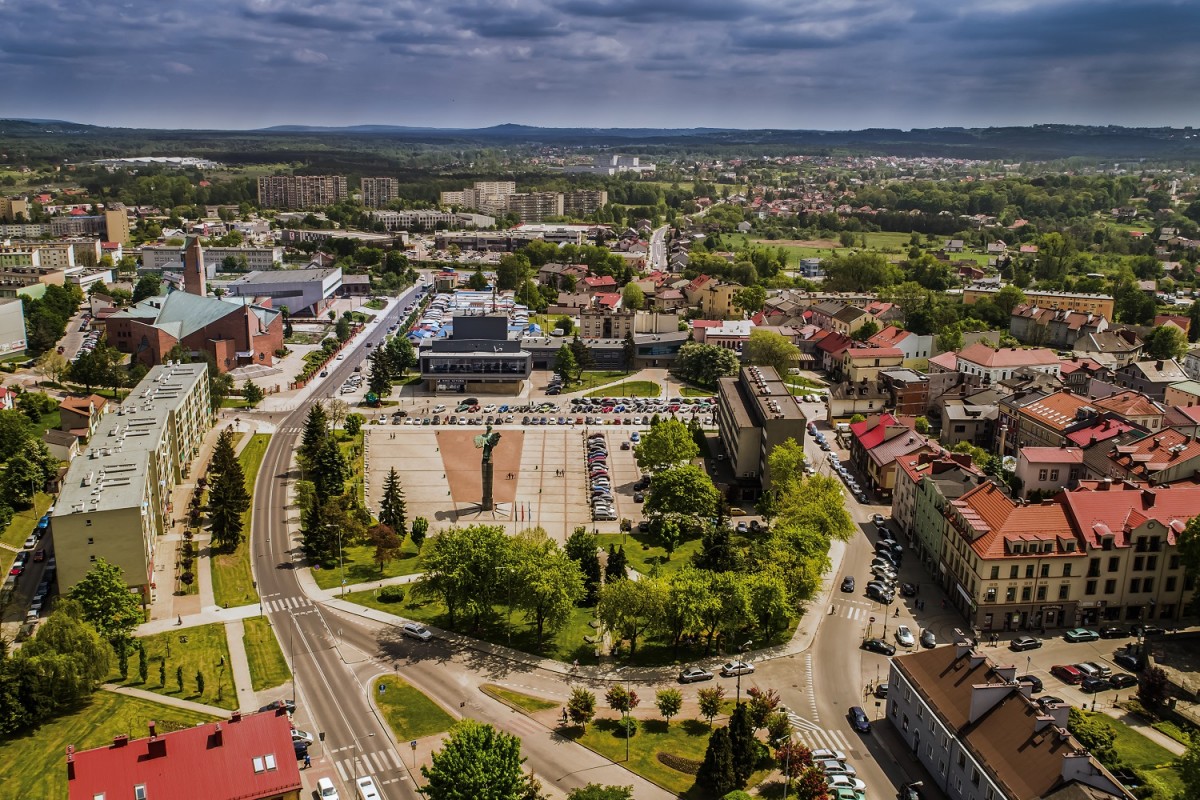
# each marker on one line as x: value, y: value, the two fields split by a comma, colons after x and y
x: 904, y: 636
x: 824, y: 754
x: 415, y: 630
x: 833, y: 767
x: 490, y: 408
x: 367, y: 789
x: 845, y: 782
x: 439, y: 408
x: 301, y: 736
x: 326, y: 790
x: 736, y: 668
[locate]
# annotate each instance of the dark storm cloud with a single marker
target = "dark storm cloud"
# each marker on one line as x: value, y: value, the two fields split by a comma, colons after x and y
x: 779, y: 63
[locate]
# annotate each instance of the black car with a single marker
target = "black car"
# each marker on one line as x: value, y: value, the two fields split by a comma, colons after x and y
x: 1095, y: 684
x: 880, y: 594
x: 1113, y: 632
x: 859, y: 720
x: 1050, y: 700
x: 301, y: 748
x: 908, y: 590
x: 848, y: 583
x: 911, y: 791
x: 879, y: 646
x: 1148, y: 630
x: 290, y: 705
x: 1128, y: 660
x: 1024, y: 643
x: 1123, y: 680
x: 1033, y: 680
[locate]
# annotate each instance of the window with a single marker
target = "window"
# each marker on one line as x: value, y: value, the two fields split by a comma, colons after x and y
x: 1054, y: 475
x: 1135, y: 585
x: 1110, y: 587
x: 1013, y: 572
x: 1138, y: 563
x: 90, y: 539
x: 989, y: 596
x: 962, y: 759
x: 1010, y: 594
x: 1041, y: 592
x: 1064, y: 591
x: 995, y: 573
x: 270, y: 759
x: 1093, y: 568
x: 1170, y: 584
x: 1114, y: 563
x: 1148, y: 585
x: 1045, y: 570
x: 259, y: 765
x: 1026, y: 593
x: 139, y: 792
x: 904, y: 723
x: 974, y: 776
x: 1041, y: 474
x: 92, y: 559
x: 1173, y: 563
x: 1151, y: 563
x: 1029, y: 570
x: 1073, y: 475
x: 1067, y: 570
x: 1089, y: 587
x: 88, y: 523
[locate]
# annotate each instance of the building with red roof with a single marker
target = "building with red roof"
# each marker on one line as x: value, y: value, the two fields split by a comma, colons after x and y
x: 1045, y: 471
x: 600, y: 283
x: 877, y: 443
x: 243, y: 758
x: 995, y: 365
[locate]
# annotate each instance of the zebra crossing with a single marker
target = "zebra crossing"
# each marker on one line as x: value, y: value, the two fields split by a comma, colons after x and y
x: 286, y: 604
x: 813, y: 736
x: 376, y: 763
x: 852, y: 610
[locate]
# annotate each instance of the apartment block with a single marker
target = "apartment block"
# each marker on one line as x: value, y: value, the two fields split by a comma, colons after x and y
x: 755, y: 414
x: 12, y: 327
x: 116, y: 496
x: 1073, y: 301
x: 301, y: 191
x: 156, y: 258
x: 14, y: 209
x: 584, y: 202
x: 378, y: 192
x: 535, y: 206
x: 116, y: 223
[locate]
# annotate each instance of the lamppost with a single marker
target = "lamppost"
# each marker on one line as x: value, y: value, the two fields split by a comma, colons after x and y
x: 741, y: 650
x: 341, y: 562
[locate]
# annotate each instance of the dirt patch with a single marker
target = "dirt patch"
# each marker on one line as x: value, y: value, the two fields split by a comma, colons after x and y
x: 461, y: 458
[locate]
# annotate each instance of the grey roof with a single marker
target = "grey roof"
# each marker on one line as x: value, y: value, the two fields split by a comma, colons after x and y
x: 182, y: 314
x: 284, y: 276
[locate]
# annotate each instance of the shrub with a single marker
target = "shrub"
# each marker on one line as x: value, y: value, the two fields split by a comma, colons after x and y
x: 679, y: 763
x: 391, y: 594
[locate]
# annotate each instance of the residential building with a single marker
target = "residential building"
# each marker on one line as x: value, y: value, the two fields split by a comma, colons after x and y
x: 116, y: 223
x: 80, y: 414
x: 755, y: 414
x: 62, y: 445
x: 601, y: 323
x: 865, y: 363
x: 1053, y: 327
x: 1035, y: 419
x: 157, y: 258
x: 1045, y: 471
x: 970, y: 419
x: 14, y: 209
x: 846, y: 399
x: 849, y: 319
x: 304, y: 292
x: 993, y: 365
x: 301, y: 191
x: 584, y: 202
x: 610, y: 164
x: 116, y: 496
x: 534, y: 206
x: 980, y: 736
x: 1151, y: 378
x: 1133, y: 407
x: 713, y: 298
x: 909, y: 343
x: 429, y: 219
x: 1191, y: 362
x: 1158, y: 459
x: 1113, y: 348
x: 246, y: 757
x: 1094, y: 303
x: 378, y: 192
x: 560, y: 276
x: 1185, y: 393
x: 12, y: 327
x: 909, y: 391
x: 1077, y: 373
x: 876, y: 444
x: 730, y: 334
x: 924, y: 484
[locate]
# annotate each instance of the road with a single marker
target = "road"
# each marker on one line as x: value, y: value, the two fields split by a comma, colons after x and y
x: 329, y: 697
x: 658, y: 248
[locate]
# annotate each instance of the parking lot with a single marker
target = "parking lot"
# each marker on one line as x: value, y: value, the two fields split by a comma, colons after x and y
x: 27, y: 586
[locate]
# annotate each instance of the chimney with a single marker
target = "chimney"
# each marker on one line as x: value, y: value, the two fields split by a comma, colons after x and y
x: 153, y: 734
x: 236, y: 716
x: 120, y: 740
x: 217, y: 737
x: 1148, y: 497
x: 70, y: 762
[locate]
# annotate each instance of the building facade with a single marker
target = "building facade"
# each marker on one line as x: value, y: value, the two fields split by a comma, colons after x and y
x: 378, y: 192
x: 12, y: 327
x: 755, y: 414
x: 301, y: 191
x: 156, y: 258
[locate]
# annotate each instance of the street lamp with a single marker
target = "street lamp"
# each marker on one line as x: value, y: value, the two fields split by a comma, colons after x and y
x: 741, y: 650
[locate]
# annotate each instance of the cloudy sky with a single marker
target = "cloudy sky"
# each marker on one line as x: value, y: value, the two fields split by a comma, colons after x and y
x: 825, y: 64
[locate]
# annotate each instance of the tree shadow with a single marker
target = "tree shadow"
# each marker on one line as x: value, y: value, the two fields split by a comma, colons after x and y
x: 695, y: 727
x: 654, y: 726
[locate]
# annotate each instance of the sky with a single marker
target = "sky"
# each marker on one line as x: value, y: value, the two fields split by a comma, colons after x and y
x: 799, y: 64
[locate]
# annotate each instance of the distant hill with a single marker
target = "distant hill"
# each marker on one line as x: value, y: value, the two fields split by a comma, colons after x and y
x: 65, y: 139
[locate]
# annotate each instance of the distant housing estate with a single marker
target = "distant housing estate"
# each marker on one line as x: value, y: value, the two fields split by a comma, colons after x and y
x: 301, y: 191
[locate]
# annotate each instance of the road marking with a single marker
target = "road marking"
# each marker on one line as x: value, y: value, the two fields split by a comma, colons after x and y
x: 341, y: 768
x: 814, y: 736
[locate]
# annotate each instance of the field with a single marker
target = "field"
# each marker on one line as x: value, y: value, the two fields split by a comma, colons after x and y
x: 268, y: 668
x: 408, y: 711
x: 233, y: 583
x: 629, y: 389
x: 201, y: 649
x: 686, y: 739
x: 31, y: 764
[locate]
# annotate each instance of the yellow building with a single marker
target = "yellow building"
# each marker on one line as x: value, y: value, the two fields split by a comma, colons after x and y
x: 1094, y: 303
x: 14, y: 209
x: 116, y: 223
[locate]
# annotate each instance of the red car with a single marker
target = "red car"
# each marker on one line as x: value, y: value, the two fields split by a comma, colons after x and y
x: 17, y: 569
x: 1066, y: 673
x: 39, y: 554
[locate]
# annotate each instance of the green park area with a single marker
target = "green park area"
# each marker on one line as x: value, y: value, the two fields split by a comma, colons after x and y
x: 408, y: 711
x: 32, y: 763
x: 198, y: 655
x: 268, y: 668
x: 629, y: 389
x: 233, y: 582
x: 647, y: 557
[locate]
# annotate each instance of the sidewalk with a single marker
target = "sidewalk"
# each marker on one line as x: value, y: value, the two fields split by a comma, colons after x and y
x: 1144, y: 728
x: 239, y: 666
x: 205, y: 616
x: 167, y: 700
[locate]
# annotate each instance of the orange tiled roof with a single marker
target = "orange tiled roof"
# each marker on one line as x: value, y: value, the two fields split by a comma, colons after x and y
x: 997, y: 519
x: 1055, y: 411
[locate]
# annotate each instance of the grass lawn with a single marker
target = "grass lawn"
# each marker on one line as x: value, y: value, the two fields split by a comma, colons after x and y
x: 205, y: 650
x: 31, y: 763
x: 646, y: 557
x: 361, y: 566
x: 268, y: 668
x: 233, y: 583
x: 525, y: 702
x: 46, y: 422
x: 410, y: 713
x: 303, y: 337
x: 629, y: 389
x: 1153, y: 761
x: 682, y: 738
x: 692, y: 391
x: 591, y: 380
x: 234, y: 402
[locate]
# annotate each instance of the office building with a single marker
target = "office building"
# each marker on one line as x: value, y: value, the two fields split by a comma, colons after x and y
x: 755, y: 414
x: 116, y: 223
x: 246, y: 757
x: 378, y: 192
x: 305, y: 292
x: 116, y: 496
x: 301, y: 191
x: 980, y: 735
x: 12, y: 327
x: 477, y: 358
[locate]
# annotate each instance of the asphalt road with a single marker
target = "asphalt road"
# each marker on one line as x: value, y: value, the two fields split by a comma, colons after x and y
x: 329, y: 697
x: 658, y: 248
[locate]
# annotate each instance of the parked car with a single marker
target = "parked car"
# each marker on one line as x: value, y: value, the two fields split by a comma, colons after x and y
x: 928, y: 638
x: 414, y: 630
x: 1050, y: 700
x: 879, y: 646
x: 1081, y: 635
x: 694, y: 674
x: 1022, y: 643
x: 732, y: 668
x: 824, y: 754
x: 301, y: 736
x: 1095, y: 684
x: 290, y: 705
x: 846, y: 782
x: 1094, y: 668
x: 1034, y: 682
x: 881, y: 691
x: 1066, y: 673
x: 1113, y: 632
x: 326, y: 790
x: 832, y: 767
x: 1123, y: 680
x: 1128, y: 660
x: 859, y: 720
x: 904, y: 636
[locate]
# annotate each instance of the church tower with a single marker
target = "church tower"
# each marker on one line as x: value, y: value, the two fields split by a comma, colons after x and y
x: 193, y: 267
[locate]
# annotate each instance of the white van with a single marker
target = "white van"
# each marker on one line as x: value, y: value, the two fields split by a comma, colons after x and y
x: 843, y: 427
x: 367, y: 789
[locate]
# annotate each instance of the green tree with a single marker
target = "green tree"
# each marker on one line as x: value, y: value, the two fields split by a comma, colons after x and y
x: 353, y: 424
x: 342, y: 329
x: 632, y: 297
x: 1164, y: 342
x: 629, y: 350
x: 669, y: 702
x: 316, y: 431
x: 581, y: 707
x: 1188, y: 767
x: 252, y: 393
x: 581, y: 548
x: 199, y: 682
x: 717, y: 773
x: 630, y: 608
x: 94, y: 369
x: 463, y: 568
x: 1152, y: 688
x: 551, y: 583
x: 478, y: 281
x: 393, y: 510
x: 710, y: 700
x: 512, y: 271
x: 564, y: 363
x: 686, y: 490
x: 595, y: 791
x: 228, y: 498
x: 379, y: 381
x: 106, y: 603
x: 616, y: 567
x: 703, y: 364
x: 477, y: 762
x: 583, y: 356
x: 771, y: 349
x: 750, y: 299
x: 143, y: 665
x: 401, y: 356
x: 1008, y: 298
x: 420, y: 527
x: 1095, y: 734
x: 21, y: 480
x: 53, y: 672
x: 386, y: 542
x: 744, y: 745
x: 950, y: 338
x: 665, y: 445
x: 147, y: 286
x: 53, y: 365
x: 179, y: 678
x: 330, y: 469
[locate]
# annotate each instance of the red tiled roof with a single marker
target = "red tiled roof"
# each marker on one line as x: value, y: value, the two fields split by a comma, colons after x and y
x: 1055, y: 411
x: 1070, y: 365
x: 870, y: 432
x: 1100, y: 432
x: 875, y: 352
x: 1129, y: 404
x: 608, y: 299
x: 600, y: 280
x: 985, y: 356
x: 1163, y: 450
x: 947, y: 361
x: 997, y: 519
x: 834, y: 342
x: 1098, y: 509
x: 214, y: 761
x: 889, y: 336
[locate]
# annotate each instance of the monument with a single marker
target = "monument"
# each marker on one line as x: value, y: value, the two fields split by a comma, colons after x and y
x: 487, y: 441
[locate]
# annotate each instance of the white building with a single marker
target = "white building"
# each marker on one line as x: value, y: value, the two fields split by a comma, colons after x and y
x: 994, y: 365
x: 156, y: 258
